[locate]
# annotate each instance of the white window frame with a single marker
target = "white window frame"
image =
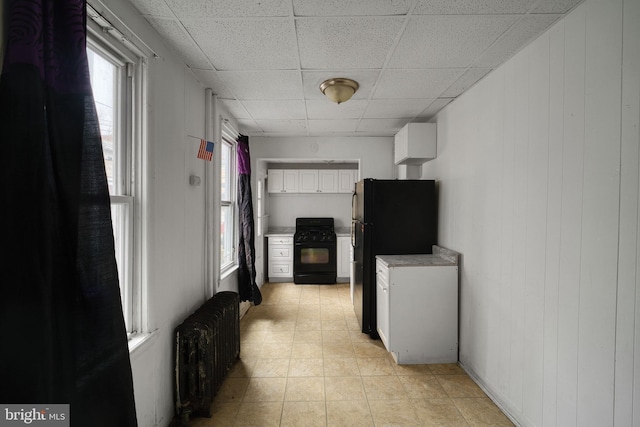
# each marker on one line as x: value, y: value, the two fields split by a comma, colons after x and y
x: 229, y: 139
x: 131, y: 65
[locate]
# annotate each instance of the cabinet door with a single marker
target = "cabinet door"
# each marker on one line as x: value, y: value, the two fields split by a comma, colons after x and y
x: 344, y: 256
x: 346, y: 180
x: 308, y: 181
x: 328, y: 181
x: 382, y: 304
x: 290, y: 181
x: 275, y: 181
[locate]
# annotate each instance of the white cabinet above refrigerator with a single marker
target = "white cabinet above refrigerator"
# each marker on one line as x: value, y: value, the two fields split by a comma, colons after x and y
x: 415, y: 144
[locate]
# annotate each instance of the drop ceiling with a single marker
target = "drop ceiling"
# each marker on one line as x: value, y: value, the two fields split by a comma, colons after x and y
x: 265, y: 59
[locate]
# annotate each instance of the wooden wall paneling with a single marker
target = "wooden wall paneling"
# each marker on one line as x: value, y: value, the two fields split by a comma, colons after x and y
x: 536, y: 224
x: 521, y: 134
x: 507, y: 228
x: 571, y: 217
x: 494, y: 215
x: 628, y: 280
x: 600, y: 213
x: 553, y: 231
x: 483, y: 217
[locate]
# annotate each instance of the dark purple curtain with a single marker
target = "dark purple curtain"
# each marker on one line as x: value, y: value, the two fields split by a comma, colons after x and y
x: 62, y: 332
x: 247, y: 287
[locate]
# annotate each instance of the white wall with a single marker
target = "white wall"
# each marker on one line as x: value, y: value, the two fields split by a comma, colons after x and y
x: 175, y: 269
x: 285, y: 208
x: 538, y: 169
x: 373, y: 154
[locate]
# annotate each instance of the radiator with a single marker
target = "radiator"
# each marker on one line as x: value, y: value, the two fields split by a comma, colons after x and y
x: 207, y: 345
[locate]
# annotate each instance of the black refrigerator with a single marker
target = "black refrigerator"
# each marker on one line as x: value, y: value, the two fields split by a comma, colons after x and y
x: 389, y: 217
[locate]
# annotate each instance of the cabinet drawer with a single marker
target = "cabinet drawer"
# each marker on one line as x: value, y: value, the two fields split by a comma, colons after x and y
x: 280, y: 269
x: 280, y: 241
x: 382, y: 272
x: 277, y: 253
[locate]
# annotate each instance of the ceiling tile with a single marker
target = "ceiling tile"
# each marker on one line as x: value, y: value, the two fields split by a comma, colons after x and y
x: 350, y: 8
x: 324, y: 126
x: 432, y: 109
x: 366, y: 79
x: 447, y: 41
x: 153, y: 7
x: 248, y: 127
x: 346, y: 42
x: 284, y: 84
x: 210, y: 79
x: 407, y: 84
x: 325, y: 109
x: 518, y: 37
x: 381, y: 127
x: 283, y: 126
x: 180, y: 40
x: 556, y: 6
x: 395, y: 108
x: 226, y: 8
x: 253, y: 44
x: 235, y: 108
x: 467, y: 7
x: 468, y: 79
x: 283, y: 109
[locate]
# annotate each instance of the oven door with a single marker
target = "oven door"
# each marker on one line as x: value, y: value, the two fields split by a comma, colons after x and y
x: 314, y: 262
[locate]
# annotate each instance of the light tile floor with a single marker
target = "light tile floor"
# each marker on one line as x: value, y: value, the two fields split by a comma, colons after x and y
x: 304, y: 362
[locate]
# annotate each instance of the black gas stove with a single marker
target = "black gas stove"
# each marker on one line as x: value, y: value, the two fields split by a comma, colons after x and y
x: 314, y: 259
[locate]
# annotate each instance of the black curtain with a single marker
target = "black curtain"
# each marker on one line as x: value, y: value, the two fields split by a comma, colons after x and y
x: 247, y: 287
x: 61, y: 323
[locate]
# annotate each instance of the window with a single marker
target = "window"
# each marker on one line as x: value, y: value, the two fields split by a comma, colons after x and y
x: 112, y: 80
x: 228, y: 214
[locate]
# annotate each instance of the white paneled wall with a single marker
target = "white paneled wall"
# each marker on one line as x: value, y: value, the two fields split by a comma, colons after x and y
x: 538, y: 170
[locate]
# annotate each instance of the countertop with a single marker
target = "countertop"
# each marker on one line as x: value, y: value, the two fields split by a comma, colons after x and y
x: 343, y: 231
x: 289, y: 231
x: 440, y: 257
x: 279, y: 231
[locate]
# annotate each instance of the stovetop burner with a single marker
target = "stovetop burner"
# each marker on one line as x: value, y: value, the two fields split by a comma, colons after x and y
x: 314, y: 230
x: 315, y: 236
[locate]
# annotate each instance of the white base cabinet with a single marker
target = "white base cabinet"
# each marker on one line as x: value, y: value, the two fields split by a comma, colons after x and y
x: 417, y: 311
x: 344, y: 256
x: 280, y: 257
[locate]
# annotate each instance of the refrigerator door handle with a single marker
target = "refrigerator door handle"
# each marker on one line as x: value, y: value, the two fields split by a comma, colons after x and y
x: 353, y: 204
x: 353, y: 233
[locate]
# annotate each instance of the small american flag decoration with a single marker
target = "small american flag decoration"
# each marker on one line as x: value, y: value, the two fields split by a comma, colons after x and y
x: 206, y: 150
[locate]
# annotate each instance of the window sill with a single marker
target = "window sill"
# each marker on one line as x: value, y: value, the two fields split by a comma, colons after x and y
x: 228, y: 271
x: 140, y: 341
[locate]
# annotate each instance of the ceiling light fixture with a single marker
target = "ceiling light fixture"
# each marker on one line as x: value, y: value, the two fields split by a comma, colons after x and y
x: 339, y: 90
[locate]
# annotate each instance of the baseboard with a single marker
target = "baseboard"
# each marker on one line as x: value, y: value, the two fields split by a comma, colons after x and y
x: 491, y: 395
x: 244, y: 307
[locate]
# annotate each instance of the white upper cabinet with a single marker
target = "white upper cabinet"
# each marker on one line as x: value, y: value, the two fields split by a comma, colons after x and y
x: 282, y: 181
x: 275, y: 182
x: 308, y: 181
x: 290, y: 180
x: 311, y: 180
x: 346, y: 180
x: 327, y: 181
x: 415, y: 144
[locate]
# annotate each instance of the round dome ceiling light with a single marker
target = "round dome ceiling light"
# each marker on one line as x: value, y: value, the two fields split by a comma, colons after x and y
x: 339, y: 90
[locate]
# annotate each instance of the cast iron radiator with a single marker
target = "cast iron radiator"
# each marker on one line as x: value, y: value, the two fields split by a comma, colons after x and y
x: 207, y: 345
